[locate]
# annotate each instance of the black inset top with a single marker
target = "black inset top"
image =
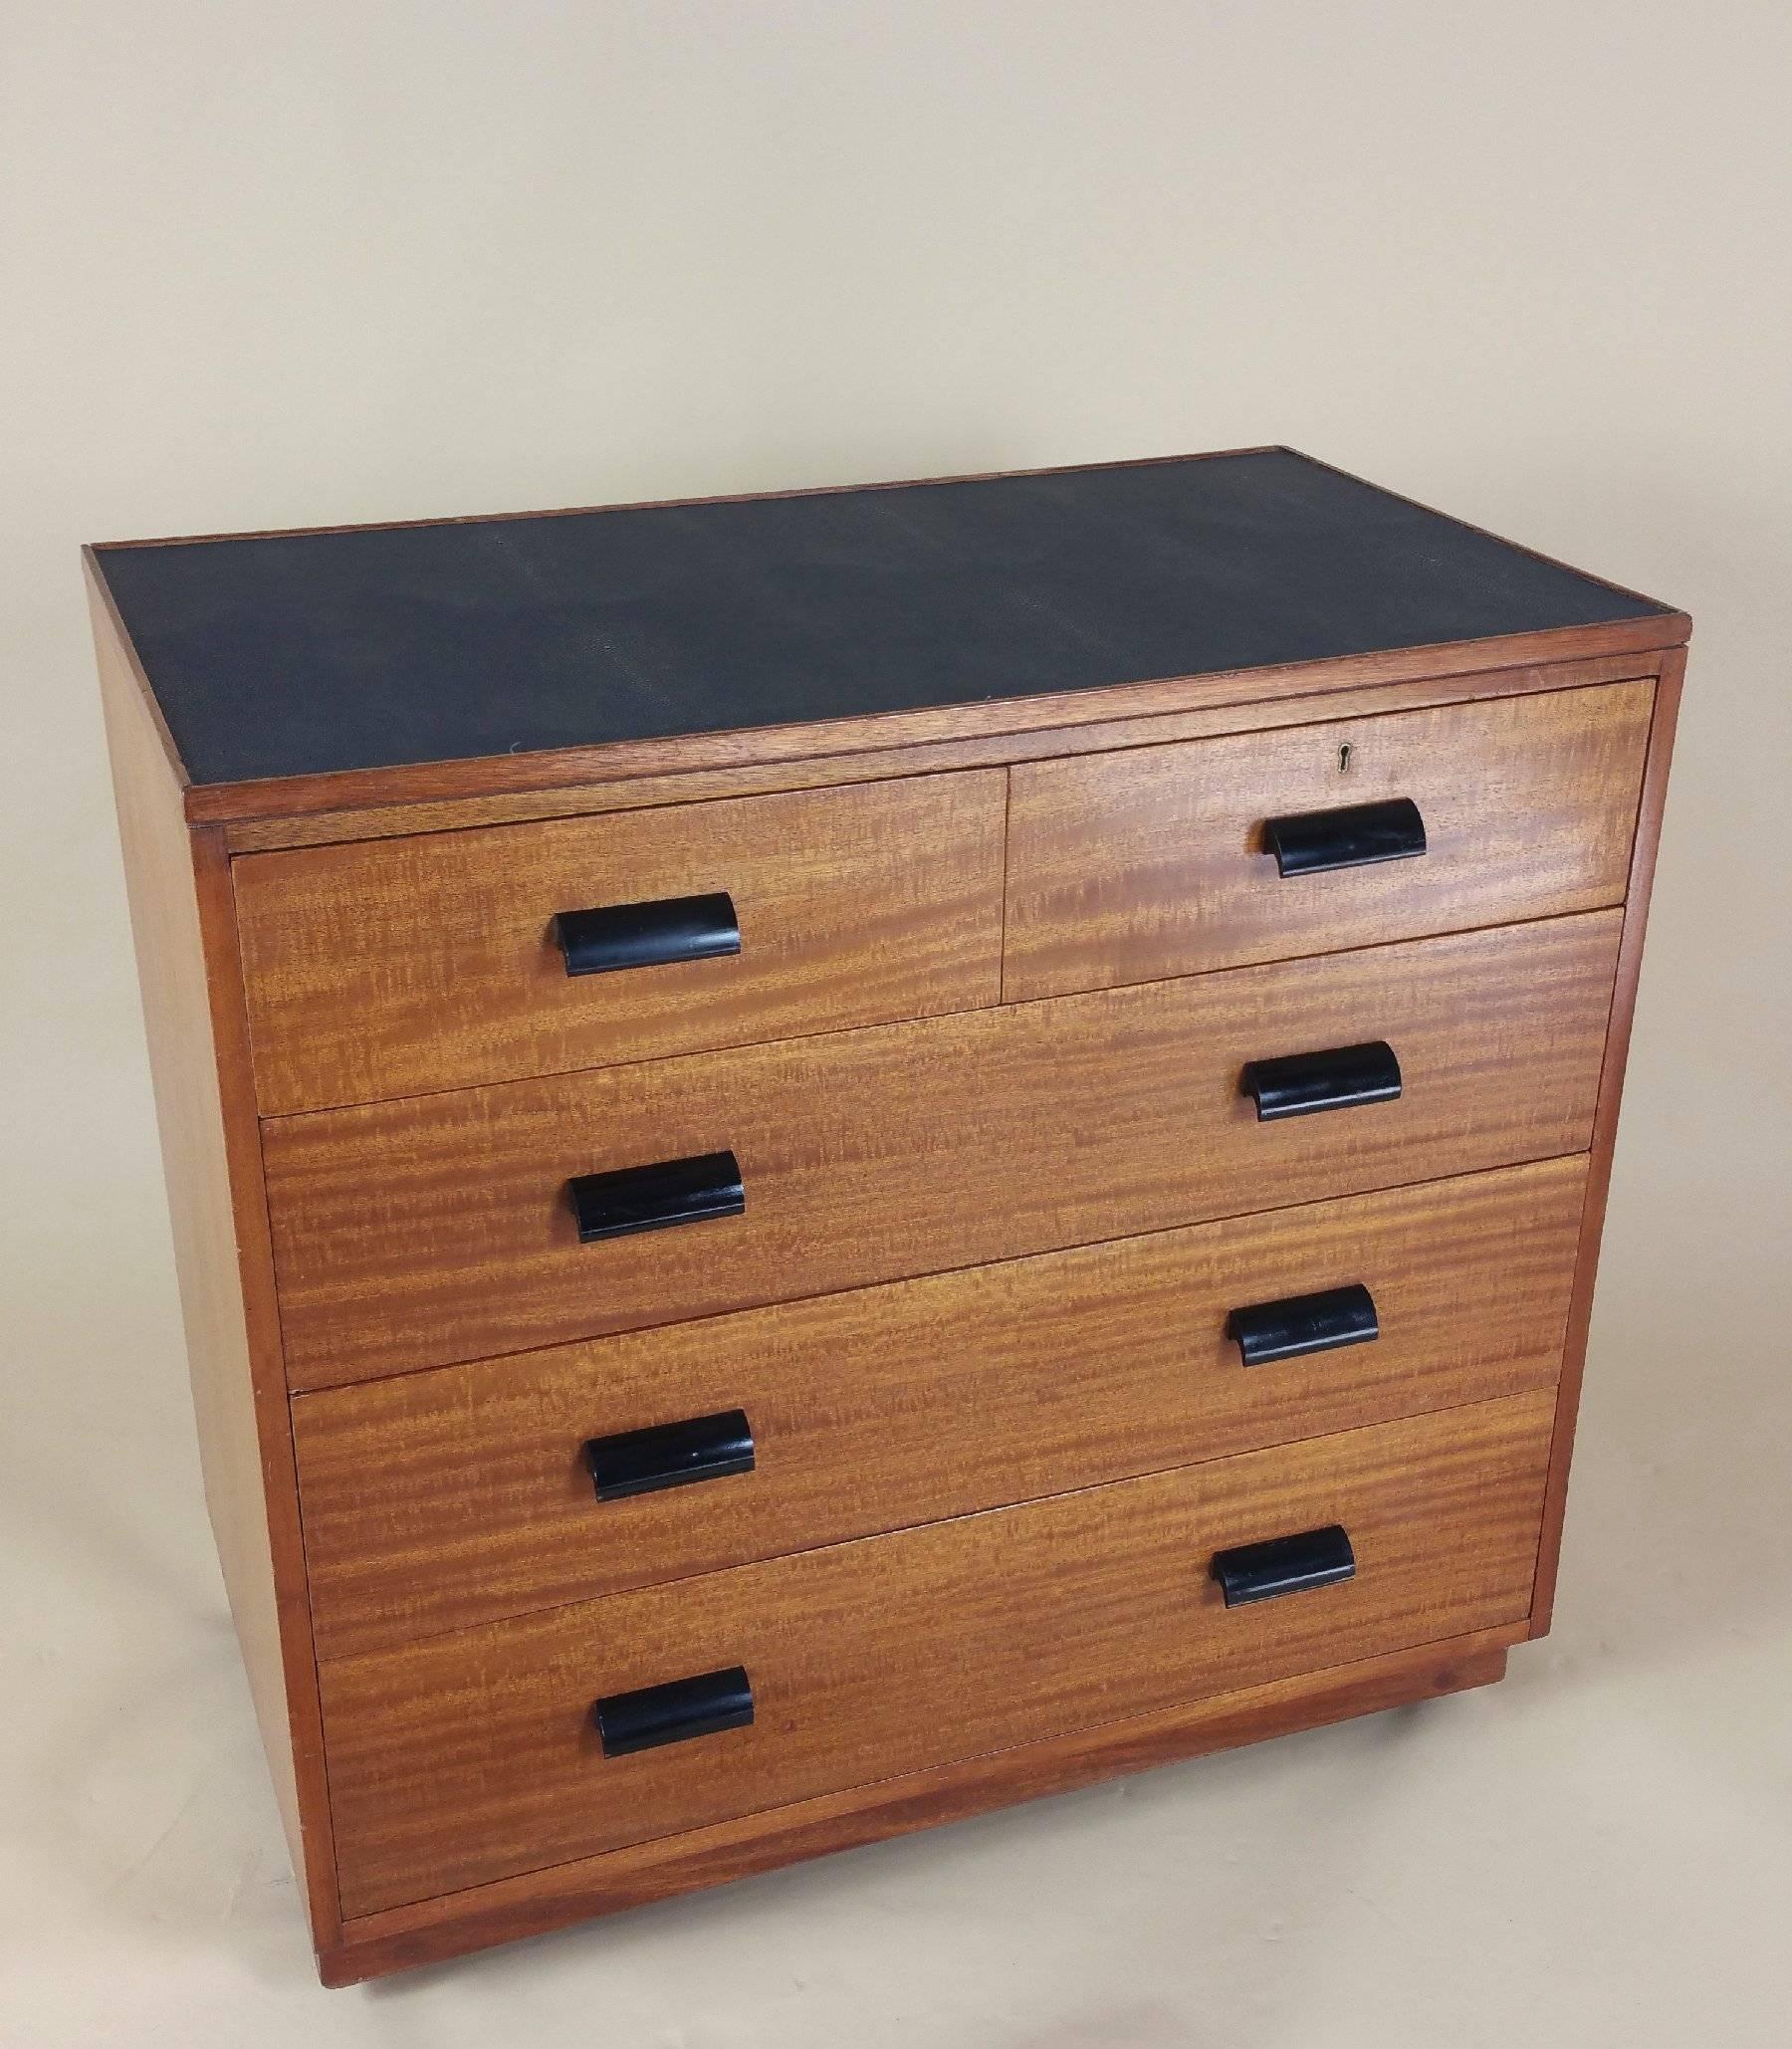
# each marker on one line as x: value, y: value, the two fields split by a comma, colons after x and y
x: 373, y: 646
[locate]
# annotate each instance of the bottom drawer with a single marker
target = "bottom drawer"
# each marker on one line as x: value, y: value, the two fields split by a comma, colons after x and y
x: 474, y: 1756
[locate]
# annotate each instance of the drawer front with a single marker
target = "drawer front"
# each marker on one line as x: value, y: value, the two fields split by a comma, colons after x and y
x: 392, y: 967
x: 416, y: 1234
x: 472, y: 1756
x: 437, y: 1501
x: 1127, y: 867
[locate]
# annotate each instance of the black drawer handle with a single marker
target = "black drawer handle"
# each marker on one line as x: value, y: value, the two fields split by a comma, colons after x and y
x: 674, y: 1713
x: 1300, y: 1083
x: 1298, y: 1324
x: 630, y: 1199
x: 677, y: 927
x: 1309, y: 842
x: 642, y: 1462
x: 1284, y: 1565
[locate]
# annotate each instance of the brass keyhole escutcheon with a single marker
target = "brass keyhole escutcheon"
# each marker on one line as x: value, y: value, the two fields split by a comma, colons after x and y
x: 1344, y: 759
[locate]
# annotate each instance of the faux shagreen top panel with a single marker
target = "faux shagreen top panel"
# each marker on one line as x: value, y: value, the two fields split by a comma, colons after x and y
x: 375, y: 647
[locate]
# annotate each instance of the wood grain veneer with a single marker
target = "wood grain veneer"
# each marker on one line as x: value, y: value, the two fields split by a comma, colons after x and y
x: 963, y: 1391
x: 179, y: 886
x: 973, y: 1305
x: 396, y: 967
x: 418, y: 1233
x: 1605, y: 1124
x: 472, y: 1756
x: 451, y: 1924
x: 1127, y: 867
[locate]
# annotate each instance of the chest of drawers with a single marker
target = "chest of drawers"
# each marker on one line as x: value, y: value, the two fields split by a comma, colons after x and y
x: 840, y: 1158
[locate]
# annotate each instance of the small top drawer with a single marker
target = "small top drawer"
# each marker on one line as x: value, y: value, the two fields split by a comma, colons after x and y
x: 1161, y: 860
x: 394, y: 967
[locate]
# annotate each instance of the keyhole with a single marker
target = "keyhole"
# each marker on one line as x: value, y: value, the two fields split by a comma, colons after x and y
x: 1344, y: 759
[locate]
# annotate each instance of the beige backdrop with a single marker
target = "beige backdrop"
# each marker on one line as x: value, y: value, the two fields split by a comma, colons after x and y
x: 270, y: 262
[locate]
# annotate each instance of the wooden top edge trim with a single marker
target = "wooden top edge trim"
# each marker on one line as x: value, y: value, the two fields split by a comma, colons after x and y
x: 100, y: 598
x: 568, y: 512
x: 621, y: 761
x: 822, y: 772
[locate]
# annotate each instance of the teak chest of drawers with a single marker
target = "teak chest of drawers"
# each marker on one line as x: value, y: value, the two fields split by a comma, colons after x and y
x: 839, y: 1157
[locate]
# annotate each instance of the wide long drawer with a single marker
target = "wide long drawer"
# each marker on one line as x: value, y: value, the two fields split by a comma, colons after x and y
x: 389, y: 967
x: 1173, y: 860
x: 476, y: 1754
x: 416, y: 1234
x: 436, y: 1501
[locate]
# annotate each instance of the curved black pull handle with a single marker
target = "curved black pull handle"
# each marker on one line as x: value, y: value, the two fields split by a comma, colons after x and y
x: 1284, y: 1565
x: 630, y: 1199
x: 1309, y: 842
x: 674, y: 1713
x: 1300, y: 1083
x: 1298, y: 1324
x: 676, y: 928
x: 642, y: 1462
